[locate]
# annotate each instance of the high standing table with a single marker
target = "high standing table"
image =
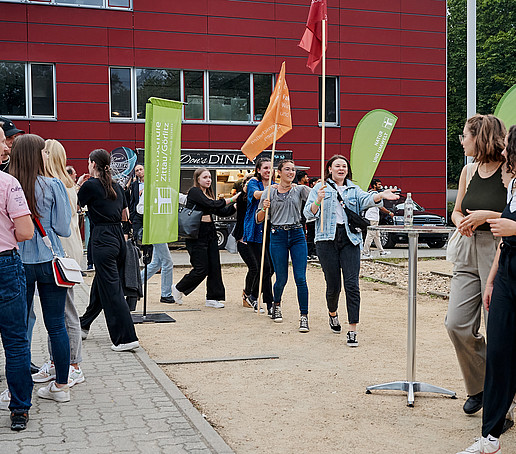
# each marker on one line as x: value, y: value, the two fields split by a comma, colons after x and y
x: 409, y: 385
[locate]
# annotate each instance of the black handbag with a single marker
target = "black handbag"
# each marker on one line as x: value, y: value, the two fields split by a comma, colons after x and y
x: 356, y: 223
x: 189, y: 222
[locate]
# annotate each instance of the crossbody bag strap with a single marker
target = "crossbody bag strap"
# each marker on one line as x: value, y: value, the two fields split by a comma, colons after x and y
x: 44, y: 236
x: 339, y: 198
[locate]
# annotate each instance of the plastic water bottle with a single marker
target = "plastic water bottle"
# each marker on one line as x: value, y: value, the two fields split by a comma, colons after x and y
x: 408, y: 217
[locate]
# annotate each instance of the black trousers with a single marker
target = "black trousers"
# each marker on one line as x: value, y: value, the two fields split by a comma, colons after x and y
x: 253, y: 269
x: 340, y: 255
x: 137, y: 222
x: 89, y: 256
x: 310, y: 238
x: 109, y: 250
x: 500, y: 379
x: 205, y: 260
x: 268, y: 270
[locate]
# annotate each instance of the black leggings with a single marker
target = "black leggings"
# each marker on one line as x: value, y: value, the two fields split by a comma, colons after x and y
x: 253, y: 269
x: 109, y: 250
x: 268, y: 271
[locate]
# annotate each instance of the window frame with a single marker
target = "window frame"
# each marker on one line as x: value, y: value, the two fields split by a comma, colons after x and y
x: 105, y: 4
x: 132, y: 86
x: 29, y: 95
x: 336, y: 123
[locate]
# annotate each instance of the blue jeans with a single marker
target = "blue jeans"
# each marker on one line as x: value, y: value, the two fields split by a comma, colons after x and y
x: 13, y: 328
x: 283, y: 241
x: 161, y: 259
x: 52, y: 300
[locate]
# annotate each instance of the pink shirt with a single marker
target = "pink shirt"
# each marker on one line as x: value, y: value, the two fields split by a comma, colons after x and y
x: 12, y: 205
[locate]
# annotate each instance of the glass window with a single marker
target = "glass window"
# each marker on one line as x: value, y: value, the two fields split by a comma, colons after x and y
x: 119, y: 3
x: 161, y: 83
x: 262, y: 94
x: 332, y: 100
x: 120, y: 79
x: 12, y: 89
x: 229, y: 96
x: 81, y: 2
x: 42, y: 90
x: 194, y: 95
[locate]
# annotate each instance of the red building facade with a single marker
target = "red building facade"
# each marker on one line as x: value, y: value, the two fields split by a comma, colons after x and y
x: 389, y: 55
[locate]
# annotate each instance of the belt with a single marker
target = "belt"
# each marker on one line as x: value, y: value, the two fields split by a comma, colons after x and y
x: 287, y: 226
x: 10, y: 253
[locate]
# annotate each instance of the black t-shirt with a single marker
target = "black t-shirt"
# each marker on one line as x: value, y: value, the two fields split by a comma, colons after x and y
x: 4, y: 166
x: 101, y: 209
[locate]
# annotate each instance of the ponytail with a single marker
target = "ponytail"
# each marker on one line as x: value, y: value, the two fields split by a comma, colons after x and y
x: 102, y: 160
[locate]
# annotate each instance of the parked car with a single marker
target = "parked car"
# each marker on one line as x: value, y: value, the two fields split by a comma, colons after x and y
x: 421, y: 217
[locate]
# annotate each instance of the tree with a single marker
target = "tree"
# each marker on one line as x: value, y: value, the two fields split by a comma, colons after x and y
x: 496, y: 72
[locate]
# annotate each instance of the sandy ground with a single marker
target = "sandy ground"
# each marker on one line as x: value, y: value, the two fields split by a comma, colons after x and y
x: 312, y: 399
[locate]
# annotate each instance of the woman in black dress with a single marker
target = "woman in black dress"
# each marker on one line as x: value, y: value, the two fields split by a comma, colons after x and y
x: 107, y: 207
x: 204, y: 251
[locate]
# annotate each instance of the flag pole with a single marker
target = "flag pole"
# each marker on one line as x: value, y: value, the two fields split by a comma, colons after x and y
x: 323, y: 113
x: 264, y: 236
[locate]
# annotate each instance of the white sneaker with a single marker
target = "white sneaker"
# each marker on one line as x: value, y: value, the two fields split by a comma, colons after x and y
x: 365, y: 255
x: 178, y: 296
x: 5, y: 400
x: 125, y: 347
x: 384, y: 253
x: 45, y: 373
x: 75, y: 376
x: 214, y: 303
x: 483, y: 446
x: 52, y: 392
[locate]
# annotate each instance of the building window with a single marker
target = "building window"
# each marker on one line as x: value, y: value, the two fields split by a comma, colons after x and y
x: 117, y: 4
x: 193, y: 95
x: 332, y: 100
x: 160, y: 83
x: 207, y: 96
x: 27, y: 90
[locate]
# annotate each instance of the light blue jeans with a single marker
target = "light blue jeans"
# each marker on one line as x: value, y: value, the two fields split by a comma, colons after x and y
x: 161, y: 259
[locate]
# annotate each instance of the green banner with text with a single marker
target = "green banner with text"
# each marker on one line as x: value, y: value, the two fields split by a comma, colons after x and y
x: 162, y: 170
x: 369, y: 141
x: 506, y: 108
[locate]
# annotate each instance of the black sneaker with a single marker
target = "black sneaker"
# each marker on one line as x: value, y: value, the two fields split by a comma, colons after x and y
x: 254, y: 305
x: 276, y: 313
x: 19, y: 419
x: 352, y: 340
x: 270, y: 311
x: 303, y: 324
x: 167, y: 299
x: 335, y: 324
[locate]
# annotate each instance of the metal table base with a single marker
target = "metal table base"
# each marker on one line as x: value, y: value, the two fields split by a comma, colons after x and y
x: 410, y: 386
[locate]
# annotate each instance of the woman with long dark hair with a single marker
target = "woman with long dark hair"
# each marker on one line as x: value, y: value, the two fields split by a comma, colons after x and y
x: 107, y: 207
x: 287, y: 235
x: 253, y: 231
x: 204, y: 251
x: 338, y: 248
x: 48, y: 202
x: 481, y: 196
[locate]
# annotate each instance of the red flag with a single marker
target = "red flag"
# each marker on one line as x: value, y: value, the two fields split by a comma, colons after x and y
x: 312, y: 38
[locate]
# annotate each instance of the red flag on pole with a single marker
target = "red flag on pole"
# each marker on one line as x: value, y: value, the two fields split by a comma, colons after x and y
x: 312, y: 38
x: 276, y: 118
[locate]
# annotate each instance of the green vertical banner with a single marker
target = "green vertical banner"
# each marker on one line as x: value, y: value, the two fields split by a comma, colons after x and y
x: 162, y: 170
x: 369, y: 141
x: 506, y: 108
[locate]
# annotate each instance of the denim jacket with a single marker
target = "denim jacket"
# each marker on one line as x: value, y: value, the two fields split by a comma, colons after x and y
x: 55, y: 216
x: 354, y: 198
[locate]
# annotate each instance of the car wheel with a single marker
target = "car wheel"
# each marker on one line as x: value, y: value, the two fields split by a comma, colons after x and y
x: 222, y: 238
x: 437, y: 244
x: 387, y: 240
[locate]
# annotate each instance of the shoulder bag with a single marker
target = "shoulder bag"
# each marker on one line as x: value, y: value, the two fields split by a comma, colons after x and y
x: 356, y: 223
x: 189, y: 222
x: 67, y: 271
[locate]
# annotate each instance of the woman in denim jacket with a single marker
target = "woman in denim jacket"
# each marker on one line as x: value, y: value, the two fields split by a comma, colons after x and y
x: 337, y: 247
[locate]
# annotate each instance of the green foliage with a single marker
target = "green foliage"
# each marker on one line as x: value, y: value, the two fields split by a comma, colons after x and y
x: 496, y: 72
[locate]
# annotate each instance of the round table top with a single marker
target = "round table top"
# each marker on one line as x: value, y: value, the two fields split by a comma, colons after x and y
x: 413, y: 228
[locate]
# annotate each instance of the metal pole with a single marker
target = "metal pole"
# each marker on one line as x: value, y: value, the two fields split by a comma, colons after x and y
x: 412, y: 293
x: 471, y: 72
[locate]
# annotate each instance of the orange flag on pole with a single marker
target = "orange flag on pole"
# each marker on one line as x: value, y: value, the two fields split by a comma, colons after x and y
x: 313, y: 37
x: 277, y: 114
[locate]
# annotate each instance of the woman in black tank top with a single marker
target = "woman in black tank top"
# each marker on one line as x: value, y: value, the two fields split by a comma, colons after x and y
x: 500, y: 301
x: 481, y: 196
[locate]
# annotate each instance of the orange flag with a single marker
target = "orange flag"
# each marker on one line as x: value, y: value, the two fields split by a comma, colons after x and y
x: 277, y: 113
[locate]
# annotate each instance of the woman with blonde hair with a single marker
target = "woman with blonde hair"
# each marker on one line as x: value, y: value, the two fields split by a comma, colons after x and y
x: 55, y: 167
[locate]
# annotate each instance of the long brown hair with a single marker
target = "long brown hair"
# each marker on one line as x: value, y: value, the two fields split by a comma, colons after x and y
x: 510, y: 149
x: 196, y: 175
x: 26, y: 165
x: 102, y: 159
x: 489, y: 133
x: 327, y: 173
x: 56, y: 162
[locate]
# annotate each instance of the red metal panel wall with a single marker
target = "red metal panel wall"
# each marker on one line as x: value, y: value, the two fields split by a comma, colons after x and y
x: 389, y: 55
